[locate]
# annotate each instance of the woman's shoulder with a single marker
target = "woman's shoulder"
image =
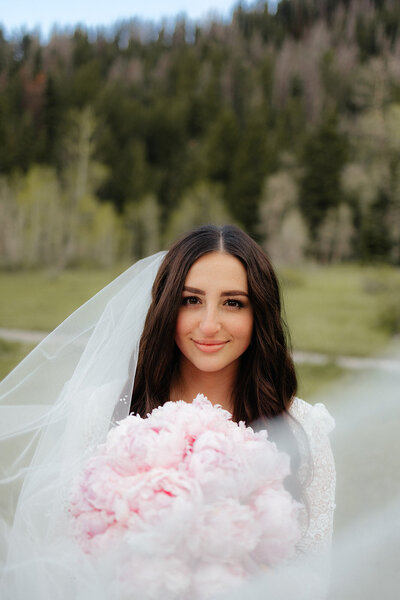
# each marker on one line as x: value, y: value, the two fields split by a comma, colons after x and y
x: 312, y: 417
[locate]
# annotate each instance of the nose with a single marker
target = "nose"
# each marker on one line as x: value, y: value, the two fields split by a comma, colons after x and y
x: 209, y: 324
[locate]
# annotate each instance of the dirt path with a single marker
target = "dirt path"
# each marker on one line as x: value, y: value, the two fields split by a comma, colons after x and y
x: 346, y: 362
x: 349, y: 362
x: 22, y: 335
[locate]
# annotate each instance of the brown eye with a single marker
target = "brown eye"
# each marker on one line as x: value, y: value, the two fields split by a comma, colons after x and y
x: 234, y: 303
x: 190, y: 300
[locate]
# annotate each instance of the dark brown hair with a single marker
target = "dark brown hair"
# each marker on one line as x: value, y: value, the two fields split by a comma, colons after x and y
x: 266, y: 382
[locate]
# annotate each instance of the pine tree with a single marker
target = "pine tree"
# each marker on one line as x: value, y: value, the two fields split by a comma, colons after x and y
x: 324, y: 156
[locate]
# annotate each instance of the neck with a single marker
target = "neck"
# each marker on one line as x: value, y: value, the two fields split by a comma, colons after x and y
x: 217, y: 386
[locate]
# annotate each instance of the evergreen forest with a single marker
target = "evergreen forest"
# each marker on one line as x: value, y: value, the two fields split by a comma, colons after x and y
x: 286, y: 122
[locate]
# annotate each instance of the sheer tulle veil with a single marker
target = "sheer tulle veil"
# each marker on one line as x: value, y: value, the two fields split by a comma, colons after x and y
x: 54, y: 407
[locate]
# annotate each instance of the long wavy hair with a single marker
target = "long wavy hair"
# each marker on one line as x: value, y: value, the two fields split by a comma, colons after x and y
x: 266, y: 381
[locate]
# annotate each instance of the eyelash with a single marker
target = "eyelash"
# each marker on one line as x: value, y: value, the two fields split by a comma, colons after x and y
x: 186, y: 301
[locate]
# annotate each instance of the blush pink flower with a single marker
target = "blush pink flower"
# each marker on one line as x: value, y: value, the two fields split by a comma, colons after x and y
x: 186, y: 486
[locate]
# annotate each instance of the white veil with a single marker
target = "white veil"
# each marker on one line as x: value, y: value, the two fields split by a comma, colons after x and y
x: 54, y: 407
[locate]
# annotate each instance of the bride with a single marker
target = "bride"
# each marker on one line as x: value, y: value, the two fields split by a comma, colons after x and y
x: 203, y: 318
x: 215, y: 327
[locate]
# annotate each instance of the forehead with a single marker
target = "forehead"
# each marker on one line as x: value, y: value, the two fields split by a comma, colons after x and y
x: 218, y: 268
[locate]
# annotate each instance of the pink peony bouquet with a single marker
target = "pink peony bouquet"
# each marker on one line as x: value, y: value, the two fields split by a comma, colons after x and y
x: 196, y: 502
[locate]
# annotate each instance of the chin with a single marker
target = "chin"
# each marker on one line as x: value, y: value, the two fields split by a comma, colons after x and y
x: 213, y: 367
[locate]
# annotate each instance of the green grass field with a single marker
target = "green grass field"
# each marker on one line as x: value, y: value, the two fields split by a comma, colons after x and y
x: 340, y: 310
x: 40, y: 300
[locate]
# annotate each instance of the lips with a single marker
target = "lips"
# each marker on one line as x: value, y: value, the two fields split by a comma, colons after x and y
x: 209, y: 346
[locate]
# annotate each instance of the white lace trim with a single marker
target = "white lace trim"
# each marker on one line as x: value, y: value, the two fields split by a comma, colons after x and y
x: 317, y: 523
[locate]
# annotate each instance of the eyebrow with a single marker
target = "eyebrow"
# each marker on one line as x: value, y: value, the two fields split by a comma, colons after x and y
x: 202, y: 292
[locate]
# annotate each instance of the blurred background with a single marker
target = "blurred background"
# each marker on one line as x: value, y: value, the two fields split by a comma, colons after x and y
x: 123, y: 131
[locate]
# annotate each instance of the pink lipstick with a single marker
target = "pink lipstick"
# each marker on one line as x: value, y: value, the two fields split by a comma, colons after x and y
x: 211, y: 346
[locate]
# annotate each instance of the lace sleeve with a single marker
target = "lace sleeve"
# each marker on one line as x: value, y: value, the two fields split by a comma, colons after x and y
x: 317, y: 520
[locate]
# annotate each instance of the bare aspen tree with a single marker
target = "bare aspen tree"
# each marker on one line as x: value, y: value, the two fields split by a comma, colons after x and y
x: 142, y: 227
x: 281, y: 223
x: 335, y: 235
x: 201, y: 204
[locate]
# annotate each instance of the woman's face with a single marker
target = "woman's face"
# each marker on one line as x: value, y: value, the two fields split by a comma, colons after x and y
x: 215, y: 321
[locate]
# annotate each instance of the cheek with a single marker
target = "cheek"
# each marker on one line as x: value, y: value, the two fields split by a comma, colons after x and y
x: 183, y: 324
x: 243, y: 329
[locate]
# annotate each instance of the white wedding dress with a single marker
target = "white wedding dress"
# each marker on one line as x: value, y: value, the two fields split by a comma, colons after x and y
x: 58, y: 404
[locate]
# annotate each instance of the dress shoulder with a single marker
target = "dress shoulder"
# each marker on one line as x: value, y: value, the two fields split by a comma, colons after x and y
x: 312, y: 417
